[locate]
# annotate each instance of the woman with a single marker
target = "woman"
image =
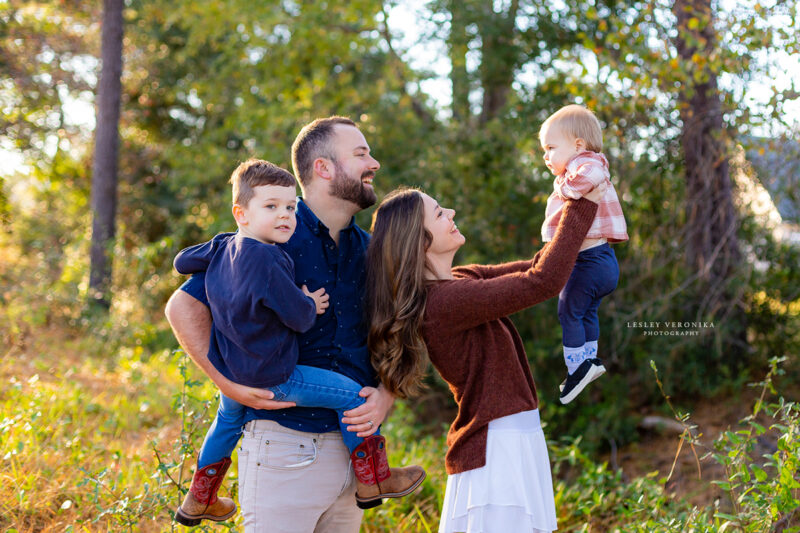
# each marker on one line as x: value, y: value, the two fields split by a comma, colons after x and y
x: 421, y: 307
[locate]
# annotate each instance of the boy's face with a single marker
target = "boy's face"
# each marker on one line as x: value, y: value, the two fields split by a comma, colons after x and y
x: 270, y: 216
x: 559, y: 148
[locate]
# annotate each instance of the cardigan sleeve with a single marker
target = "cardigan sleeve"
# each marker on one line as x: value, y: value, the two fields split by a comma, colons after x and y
x: 466, y: 302
x: 493, y: 271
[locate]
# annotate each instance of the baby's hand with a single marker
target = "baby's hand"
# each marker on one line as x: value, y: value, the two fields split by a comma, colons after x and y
x: 320, y: 298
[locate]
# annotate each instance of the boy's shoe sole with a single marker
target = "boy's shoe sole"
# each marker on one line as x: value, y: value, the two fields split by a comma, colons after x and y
x: 590, y: 370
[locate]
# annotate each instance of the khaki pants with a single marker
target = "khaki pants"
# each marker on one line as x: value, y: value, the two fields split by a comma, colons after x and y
x: 295, y: 482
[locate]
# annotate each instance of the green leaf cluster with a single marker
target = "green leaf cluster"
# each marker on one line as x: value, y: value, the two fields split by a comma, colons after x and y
x: 208, y: 84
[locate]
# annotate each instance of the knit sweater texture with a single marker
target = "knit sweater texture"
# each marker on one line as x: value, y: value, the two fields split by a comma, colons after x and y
x: 474, y: 345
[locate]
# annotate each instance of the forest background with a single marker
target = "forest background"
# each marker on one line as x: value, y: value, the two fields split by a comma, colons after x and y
x: 101, y: 414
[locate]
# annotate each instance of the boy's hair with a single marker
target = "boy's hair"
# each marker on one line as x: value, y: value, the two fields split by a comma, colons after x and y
x: 577, y: 122
x: 312, y: 142
x: 254, y: 173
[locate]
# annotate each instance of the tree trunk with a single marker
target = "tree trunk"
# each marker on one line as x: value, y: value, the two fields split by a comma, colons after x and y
x: 458, y: 45
x: 500, y: 57
x: 104, y: 168
x: 712, y: 245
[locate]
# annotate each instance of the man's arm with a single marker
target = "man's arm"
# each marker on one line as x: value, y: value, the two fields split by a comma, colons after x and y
x: 190, y: 320
x: 377, y: 405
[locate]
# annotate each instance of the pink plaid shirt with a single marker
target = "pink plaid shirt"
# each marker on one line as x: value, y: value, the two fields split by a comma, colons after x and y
x: 584, y: 172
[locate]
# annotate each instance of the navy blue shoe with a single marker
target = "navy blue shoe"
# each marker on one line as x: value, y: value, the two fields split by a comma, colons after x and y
x: 590, y: 370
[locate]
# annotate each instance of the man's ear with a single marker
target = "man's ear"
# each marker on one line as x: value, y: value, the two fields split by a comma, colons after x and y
x: 580, y: 144
x: 323, y: 168
x: 239, y: 215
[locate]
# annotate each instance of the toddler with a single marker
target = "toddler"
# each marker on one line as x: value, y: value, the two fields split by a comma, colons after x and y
x: 572, y: 141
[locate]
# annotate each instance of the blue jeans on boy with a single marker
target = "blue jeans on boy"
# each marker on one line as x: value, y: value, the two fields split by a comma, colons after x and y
x: 307, y: 386
x: 594, y: 276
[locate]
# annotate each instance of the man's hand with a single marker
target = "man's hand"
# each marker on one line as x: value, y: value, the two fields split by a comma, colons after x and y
x: 366, y: 418
x: 251, y: 396
x: 191, y: 321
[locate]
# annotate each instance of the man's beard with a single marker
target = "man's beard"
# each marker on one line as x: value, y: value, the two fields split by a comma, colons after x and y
x: 355, y: 191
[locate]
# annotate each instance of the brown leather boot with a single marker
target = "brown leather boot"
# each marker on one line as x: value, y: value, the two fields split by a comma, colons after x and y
x: 375, y: 480
x: 201, y: 501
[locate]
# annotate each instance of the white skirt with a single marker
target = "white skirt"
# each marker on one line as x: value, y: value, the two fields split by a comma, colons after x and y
x: 513, y: 492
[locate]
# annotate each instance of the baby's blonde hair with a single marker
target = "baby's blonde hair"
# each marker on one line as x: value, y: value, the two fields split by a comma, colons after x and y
x: 576, y: 122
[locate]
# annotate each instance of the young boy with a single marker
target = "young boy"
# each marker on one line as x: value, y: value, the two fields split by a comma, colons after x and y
x: 572, y: 141
x: 257, y: 310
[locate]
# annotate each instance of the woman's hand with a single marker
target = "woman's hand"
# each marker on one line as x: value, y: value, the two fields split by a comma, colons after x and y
x: 596, y: 194
x: 366, y: 418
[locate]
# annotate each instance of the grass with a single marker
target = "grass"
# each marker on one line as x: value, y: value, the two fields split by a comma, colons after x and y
x: 77, y: 436
x: 90, y: 444
x: 96, y: 440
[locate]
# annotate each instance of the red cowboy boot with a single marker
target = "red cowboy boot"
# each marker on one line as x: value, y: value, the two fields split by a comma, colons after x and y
x: 201, y: 501
x: 375, y: 480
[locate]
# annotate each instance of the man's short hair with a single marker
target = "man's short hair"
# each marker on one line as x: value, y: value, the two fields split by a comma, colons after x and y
x: 312, y: 142
x: 254, y: 173
x: 577, y: 122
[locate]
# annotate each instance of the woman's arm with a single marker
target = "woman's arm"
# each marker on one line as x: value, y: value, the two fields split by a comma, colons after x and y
x: 465, y: 303
x: 588, y: 189
x: 492, y: 271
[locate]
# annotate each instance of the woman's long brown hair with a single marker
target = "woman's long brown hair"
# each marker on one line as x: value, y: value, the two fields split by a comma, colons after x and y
x: 396, y: 292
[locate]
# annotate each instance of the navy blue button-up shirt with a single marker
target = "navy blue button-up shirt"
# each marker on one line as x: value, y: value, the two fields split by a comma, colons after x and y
x: 338, y: 339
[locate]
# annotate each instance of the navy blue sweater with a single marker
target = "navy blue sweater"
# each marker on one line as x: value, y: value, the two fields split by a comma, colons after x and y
x: 255, y: 305
x: 338, y: 339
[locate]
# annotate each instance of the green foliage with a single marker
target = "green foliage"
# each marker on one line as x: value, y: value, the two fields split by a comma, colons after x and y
x: 764, y: 490
x: 211, y: 83
x: 70, y: 435
x: 594, y: 498
x: 46, y: 63
x: 80, y: 451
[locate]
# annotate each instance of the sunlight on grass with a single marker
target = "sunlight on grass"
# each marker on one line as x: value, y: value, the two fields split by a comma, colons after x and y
x: 96, y: 441
x: 99, y: 444
x: 69, y: 420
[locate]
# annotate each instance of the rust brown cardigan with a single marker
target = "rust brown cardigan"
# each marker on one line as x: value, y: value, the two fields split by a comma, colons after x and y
x: 474, y: 345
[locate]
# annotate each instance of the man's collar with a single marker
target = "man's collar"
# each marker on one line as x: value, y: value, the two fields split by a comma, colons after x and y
x: 313, y: 222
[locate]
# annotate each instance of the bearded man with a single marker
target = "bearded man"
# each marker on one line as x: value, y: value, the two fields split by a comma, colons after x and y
x: 294, y: 469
